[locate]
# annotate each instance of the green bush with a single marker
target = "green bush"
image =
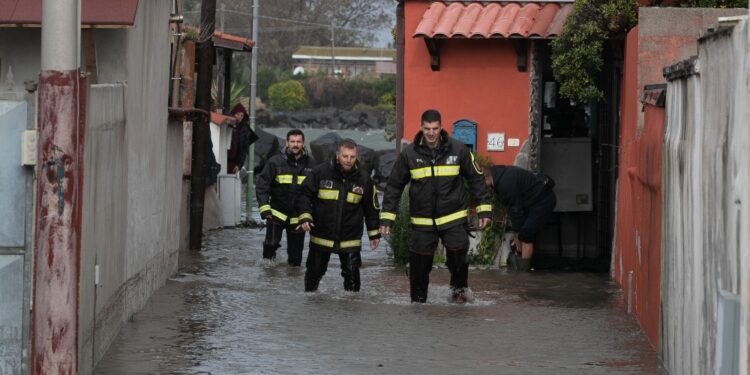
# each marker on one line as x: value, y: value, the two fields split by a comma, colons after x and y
x: 577, y: 52
x: 401, y: 232
x: 287, y: 96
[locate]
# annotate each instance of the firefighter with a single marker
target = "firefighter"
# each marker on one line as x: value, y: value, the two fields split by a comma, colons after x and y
x: 436, y: 166
x: 529, y: 199
x: 277, y: 187
x: 336, y: 200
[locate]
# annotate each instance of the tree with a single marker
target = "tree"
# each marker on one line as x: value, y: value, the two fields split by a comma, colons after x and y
x: 288, y: 24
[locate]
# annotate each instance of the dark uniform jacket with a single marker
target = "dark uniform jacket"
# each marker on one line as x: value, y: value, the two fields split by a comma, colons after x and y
x: 338, y: 203
x: 437, y: 197
x: 277, y: 186
x: 518, y: 189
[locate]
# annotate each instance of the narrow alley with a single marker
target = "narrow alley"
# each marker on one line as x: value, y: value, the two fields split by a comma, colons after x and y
x: 226, y: 312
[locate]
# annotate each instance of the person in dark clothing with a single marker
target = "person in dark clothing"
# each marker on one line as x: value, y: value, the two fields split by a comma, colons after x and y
x: 277, y: 188
x: 437, y: 167
x: 529, y: 200
x: 336, y: 200
x: 242, y: 138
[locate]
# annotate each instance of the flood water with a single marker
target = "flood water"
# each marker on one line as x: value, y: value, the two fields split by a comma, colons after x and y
x: 227, y: 312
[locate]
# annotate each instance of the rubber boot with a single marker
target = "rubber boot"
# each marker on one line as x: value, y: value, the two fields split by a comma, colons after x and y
x: 350, y: 263
x: 420, y: 266
x: 316, y: 266
x: 295, y: 241
x: 458, y: 265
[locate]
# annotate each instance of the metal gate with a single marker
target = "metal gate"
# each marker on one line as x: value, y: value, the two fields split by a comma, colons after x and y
x: 15, y: 238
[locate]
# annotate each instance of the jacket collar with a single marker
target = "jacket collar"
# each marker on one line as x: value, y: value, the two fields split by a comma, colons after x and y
x: 422, y: 146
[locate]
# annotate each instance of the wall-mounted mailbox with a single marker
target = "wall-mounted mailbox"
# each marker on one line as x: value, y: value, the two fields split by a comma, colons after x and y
x: 465, y: 130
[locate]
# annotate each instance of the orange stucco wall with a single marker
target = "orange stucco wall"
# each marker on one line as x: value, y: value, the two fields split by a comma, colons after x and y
x: 638, y: 223
x: 478, y: 79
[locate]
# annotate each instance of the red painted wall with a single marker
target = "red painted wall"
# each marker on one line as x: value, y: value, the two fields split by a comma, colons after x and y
x: 478, y: 79
x: 638, y: 225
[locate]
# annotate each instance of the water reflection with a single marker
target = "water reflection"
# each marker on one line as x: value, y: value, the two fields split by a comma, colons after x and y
x: 227, y: 312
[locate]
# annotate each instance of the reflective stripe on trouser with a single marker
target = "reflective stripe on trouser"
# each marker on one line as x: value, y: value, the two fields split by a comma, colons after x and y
x: 458, y: 265
x: 426, y: 221
x: 331, y: 244
x: 420, y: 266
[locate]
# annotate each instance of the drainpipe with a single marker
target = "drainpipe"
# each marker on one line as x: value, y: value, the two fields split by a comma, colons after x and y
x: 59, y: 186
x: 253, y: 92
x: 201, y: 131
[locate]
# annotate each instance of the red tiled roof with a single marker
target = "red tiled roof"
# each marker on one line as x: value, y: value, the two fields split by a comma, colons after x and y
x: 225, y: 40
x: 493, y: 20
x: 93, y: 12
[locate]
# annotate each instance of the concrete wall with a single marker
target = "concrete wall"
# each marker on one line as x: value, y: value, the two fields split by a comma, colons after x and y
x: 663, y: 37
x: 133, y: 189
x: 705, y: 236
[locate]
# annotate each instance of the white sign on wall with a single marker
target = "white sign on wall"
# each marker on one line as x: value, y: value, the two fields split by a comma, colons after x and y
x: 495, y: 141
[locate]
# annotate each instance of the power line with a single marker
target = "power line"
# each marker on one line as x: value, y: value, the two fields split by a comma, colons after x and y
x: 321, y: 25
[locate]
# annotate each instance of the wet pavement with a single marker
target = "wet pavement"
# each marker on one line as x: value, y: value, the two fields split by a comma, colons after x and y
x: 227, y: 312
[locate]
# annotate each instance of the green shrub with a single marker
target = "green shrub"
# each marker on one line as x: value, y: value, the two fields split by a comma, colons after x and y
x: 577, y: 52
x: 287, y: 96
x: 401, y: 232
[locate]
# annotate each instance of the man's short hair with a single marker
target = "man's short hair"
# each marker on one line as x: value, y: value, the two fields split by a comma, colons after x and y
x: 295, y: 132
x: 348, y: 143
x: 430, y: 115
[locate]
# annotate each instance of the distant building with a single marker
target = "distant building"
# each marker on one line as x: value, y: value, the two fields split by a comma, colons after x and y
x: 348, y: 61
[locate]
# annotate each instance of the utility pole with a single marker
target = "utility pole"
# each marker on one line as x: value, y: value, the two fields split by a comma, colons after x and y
x: 59, y: 197
x: 333, y: 52
x: 253, y: 92
x: 201, y: 131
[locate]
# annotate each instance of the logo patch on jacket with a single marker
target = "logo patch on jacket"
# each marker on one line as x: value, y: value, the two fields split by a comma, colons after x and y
x: 420, y: 162
x: 358, y: 190
x: 452, y: 160
x: 326, y: 184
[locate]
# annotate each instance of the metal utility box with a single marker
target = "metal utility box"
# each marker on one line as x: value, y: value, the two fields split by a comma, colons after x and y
x: 465, y: 130
x: 568, y: 162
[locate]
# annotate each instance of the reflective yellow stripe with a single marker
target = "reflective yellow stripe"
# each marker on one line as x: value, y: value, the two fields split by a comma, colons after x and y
x: 278, y: 214
x: 387, y: 216
x: 373, y: 232
x: 284, y: 178
x: 484, y: 208
x: 305, y: 216
x: 441, y: 220
x: 352, y: 243
x: 265, y: 207
x: 321, y: 241
x: 331, y: 244
x: 353, y: 198
x: 440, y: 171
x: 328, y: 194
x: 300, y: 179
x: 294, y: 220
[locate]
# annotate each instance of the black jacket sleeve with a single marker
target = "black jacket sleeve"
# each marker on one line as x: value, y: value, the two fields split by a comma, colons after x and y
x: 371, y: 209
x: 478, y: 189
x: 397, y: 180
x: 263, y: 187
x: 308, y: 191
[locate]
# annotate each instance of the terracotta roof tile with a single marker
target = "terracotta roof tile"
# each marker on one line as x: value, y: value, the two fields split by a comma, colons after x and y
x: 93, y: 12
x: 222, y: 120
x: 493, y: 20
x: 225, y: 40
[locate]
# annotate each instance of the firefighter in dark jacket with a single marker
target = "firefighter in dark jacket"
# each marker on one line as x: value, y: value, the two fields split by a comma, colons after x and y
x: 529, y: 200
x: 436, y: 166
x: 277, y: 188
x: 336, y: 200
